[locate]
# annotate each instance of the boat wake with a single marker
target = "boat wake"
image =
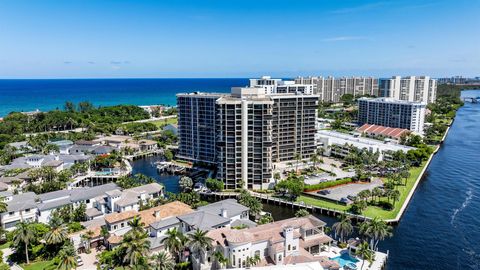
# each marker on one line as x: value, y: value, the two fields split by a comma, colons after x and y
x: 464, y: 204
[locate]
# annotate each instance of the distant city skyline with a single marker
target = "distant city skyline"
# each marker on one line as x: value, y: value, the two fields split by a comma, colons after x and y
x: 243, y: 39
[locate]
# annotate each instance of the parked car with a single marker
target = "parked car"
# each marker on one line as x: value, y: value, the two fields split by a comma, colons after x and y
x: 351, y: 197
x: 79, y: 261
x: 324, y: 192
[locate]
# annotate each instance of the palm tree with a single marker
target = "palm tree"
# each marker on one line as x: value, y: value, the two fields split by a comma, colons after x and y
x: 405, y: 174
x: 377, y: 192
x: 135, y: 246
x: 136, y: 224
x: 173, y: 242
x: 3, y: 206
x: 67, y: 258
x: 220, y: 259
x: 199, y: 242
x: 87, y: 237
x: 314, y: 159
x: 57, y: 234
x: 23, y: 234
x: 297, y: 157
x: 376, y: 229
x: 162, y: 261
x: 363, y: 250
x: 343, y: 227
x: 395, y: 195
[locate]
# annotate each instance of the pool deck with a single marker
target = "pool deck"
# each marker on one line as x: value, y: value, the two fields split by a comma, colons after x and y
x: 378, y: 264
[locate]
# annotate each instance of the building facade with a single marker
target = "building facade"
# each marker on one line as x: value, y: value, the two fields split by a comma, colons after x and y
x: 331, y: 89
x: 393, y: 113
x: 197, y: 127
x: 248, y: 131
x: 411, y: 88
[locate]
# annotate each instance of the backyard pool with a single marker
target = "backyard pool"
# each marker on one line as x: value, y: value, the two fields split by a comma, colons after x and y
x: 346, y: 260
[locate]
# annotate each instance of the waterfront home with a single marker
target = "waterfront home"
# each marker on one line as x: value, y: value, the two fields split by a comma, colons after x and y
x: 293, y: 240
x: 20, y: 207
x: 21, y: 147
x: 130, y: 199
x: 50, y: 201
x: 157, y: 221
x: 57, y: 162
x: 90, y: 149
x: 147, y: 145
x: 11, y: 182
x: 63, y: 145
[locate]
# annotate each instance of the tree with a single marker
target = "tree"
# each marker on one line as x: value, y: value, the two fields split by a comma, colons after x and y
x: 173, y: 241
x: 314, y: 159
x: 186, y: 183
x: 168, y: 154
x: 375, y: 229
x: 79, y: 213
x: 395, y: 196
x: 347, y: 99
x: 363, y: 250
x: 67, y: 258
x: 220, y: 259
x: 277, y: 176
x: 58, y: 232
x: 87, y: 237
x: 297, y: 157
x: 23, y: 234
x: 134, y: 246
x: 214, y: 184
x: 199, y: 242
x: 343, y: 227
x: 3, y: 205
x: 302, y: 213
x: 377, y: 192
x: 265, y: 219
x: 136, y: 225
x: 251, y: 202
x: 162, y: 261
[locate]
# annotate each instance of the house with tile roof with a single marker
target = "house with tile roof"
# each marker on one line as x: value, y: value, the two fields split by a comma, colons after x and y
x: 294, y: 240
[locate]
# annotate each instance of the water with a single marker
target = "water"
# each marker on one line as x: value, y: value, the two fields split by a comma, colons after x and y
x: 29, y: 95
x: 345, y: 259
x: 440, y: 228
x: 146, y: 166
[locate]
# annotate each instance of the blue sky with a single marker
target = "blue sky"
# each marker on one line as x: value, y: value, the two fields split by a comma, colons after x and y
x: 229, y: 38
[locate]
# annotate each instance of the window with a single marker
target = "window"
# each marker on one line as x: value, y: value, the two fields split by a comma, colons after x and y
x: 11, y: 213
x: 257, y: 253
x: 289, y: 247
x: 87, y: 201
x: 27, y: 210
x: 122, y: 225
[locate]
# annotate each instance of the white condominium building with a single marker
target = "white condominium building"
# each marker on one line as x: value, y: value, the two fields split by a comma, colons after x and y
x: 412, y: 88
x: 393, y: 113
x: 331, y: 89
x: 245, y: 132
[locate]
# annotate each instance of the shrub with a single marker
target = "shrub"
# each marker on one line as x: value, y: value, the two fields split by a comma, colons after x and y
x: 214, y: 184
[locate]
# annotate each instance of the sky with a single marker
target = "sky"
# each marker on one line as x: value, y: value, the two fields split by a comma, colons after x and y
x: 230, y: 38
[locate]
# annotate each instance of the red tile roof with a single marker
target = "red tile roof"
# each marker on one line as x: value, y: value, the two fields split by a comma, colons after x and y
x: 381, y: 130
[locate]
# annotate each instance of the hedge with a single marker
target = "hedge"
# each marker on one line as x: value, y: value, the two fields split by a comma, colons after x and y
x: 327, y: 184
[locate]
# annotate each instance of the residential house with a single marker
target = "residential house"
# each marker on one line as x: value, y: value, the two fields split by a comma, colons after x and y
x: 20, y: 207
x: 282, y: 242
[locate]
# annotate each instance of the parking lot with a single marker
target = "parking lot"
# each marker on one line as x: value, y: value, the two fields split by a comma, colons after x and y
x: 337, y: 193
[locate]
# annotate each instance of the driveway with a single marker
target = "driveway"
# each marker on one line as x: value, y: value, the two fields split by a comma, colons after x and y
x: 88, y: 260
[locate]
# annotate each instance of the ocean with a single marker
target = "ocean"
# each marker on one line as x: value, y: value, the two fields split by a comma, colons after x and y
x: 44, y: 95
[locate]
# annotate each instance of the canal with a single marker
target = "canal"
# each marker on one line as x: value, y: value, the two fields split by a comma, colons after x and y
x: 441, y: 227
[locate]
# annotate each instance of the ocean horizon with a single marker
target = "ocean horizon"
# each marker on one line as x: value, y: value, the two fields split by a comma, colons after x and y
x: 22, y: 95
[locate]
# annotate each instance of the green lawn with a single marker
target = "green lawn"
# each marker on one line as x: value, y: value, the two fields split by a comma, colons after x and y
x: 40, y: 265
x: 371, y: 211
x: 5, y: 245
x: 161, y: 123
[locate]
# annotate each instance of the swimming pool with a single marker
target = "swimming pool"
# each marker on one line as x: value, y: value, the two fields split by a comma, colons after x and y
x: 345, y: 259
